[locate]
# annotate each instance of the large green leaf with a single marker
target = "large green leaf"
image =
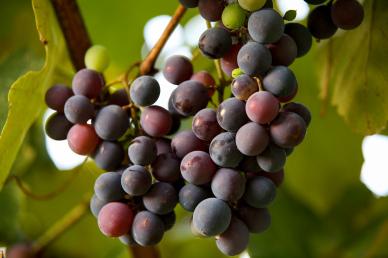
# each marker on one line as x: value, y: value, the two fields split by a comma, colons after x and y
x: 354, y: 65
x: 25, y: 97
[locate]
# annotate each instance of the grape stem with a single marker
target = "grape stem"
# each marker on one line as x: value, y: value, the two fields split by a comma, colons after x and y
x: 147, y: 65
x: 74, y: 30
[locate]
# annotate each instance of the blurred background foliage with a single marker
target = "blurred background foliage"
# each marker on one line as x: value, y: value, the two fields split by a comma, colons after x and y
x: 322, y: 210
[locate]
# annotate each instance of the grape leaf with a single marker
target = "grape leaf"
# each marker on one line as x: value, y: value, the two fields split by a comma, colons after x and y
x: 354, y: 65
x: 26, y: 95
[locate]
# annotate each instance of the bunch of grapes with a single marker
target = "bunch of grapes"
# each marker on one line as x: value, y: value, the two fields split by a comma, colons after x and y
x: 227, y: 167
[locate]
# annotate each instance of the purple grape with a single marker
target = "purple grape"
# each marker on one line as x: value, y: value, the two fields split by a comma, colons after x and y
x: 142, y: 151
x: 235, y: 239
x: 136, y: 180
x: 78, y: 109
x: 205, y: 125
x: 288, y: 130
x: 190, y: 97
x: 178, y: 69
x: 88, y: 83
x: 215, y: 42
x: 111, y: 123
x: 231, y: 114
x: 109, y: 155
x: 57, y: 127
x: 185, y: 142
x: 198, y: 168
x: 161, y: 198
x: 228, y: 185
x: 156, y: 121
x: 166, y: 168
x: 224, y: 152
x: 56, y: 97
x: 252, y: 139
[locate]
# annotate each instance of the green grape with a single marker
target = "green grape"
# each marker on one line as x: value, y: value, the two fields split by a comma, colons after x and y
x: 252, y: 5
x: 97, y: 58
x: 237, y: 72
x: 233, y: 16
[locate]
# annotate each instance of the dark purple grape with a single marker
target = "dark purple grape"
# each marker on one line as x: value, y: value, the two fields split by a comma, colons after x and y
x: 224, y: 152
x: 260, y: 192
x: 119, y: 98
x: 88, y: 83
x: 82, y: 139
x: 299, y: 109
x: 57, y: 127
x: 147, y: 228
x: 272, y: 159
x: 136, y: 180
x: 244, y: 86
x: 107, y: 187
x: 156, y: 121
x: 211, y: 10
x: 205, y: 125
x: 168, y: 220
x: 257, y: 220
x: 127, y: 240
x: 96, y: 205
x: 211, y: 217
x: 277, y: 178
x: 161, y: 198
x: 185, y: 142
x: 228, y: 185
x: 235, y: 239
x: 78, y: 109
x: 166, y: 168
x: 178, y: 69
x: 229, y: 60
x: 198, y: 168
x: 280, y: 81
x: 189, y: 3
x: 288, y: 130
x: 266, y: 26
x: 191, y: 195
x: 301, y: 36
x: 215, y: 42
x: 145, y: 91
x: 249, y: 165
x: 163, y: 145
x: 190, y: 97
x: 252, y: 139
x: 231, y: 114
x: 56, y: 97
x: 142, y: 151
x: 254, y: 59
x: 262, y: 107
x: 115, y: 219
x: 109, y: 155
x: 283, y: 51
x: 175, y: 125
x: 320, y: 23
x: 347, y: 14
x: 111, y: 123
x: 206, y: 79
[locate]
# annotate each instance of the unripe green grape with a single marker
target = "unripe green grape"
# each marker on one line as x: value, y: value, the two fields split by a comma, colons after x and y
x: 252, y: 5
x: 97, y: 58
x: 233, y: 16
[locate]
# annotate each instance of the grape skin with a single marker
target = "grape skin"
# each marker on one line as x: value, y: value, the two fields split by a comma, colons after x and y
x: 57, y: 96
x: 185, y: 142
x: 97, y: 58
x: 205, y: 125
x: 168, y: 220
x: 215, y: 42
x: 111, y: 123
x: 280, y: 81
x: 57, y: 127
x: 231, y: 114
x: 161, y: 198
x: 235, y: 239
x: 191, y: 195
x: 163, y: 145
x: 284, y: 51
x: 233, y: 16
x: 347, y: 14
x: 189, y: 98
x: 288, y: 130
x: 166, y: 168
x: 107, y: 187
x: 88, y: 83
x: 142, y: 151
x: 299, y: 109
x: 301, y: 35
x: 96, y: 205
x: 78, y: 109
x: 265, y: 26
x: 156, y: 121
x: 189, y: 3
x: 82, y: 139
x: 206, y: 79
x: 244, y: 86
x: 320, y: 23
x: 211, y: 217
x: 119, y: 98
x: 145, y: 91
x: 249, y: 165
x: 272, y: 159
x: 228, y: 185
x: 147, y: 228
x: 254, y: 59
x: 127, y: 240
x: 211, y: 10
x: 229, y: 60
x: 136, y: 180
x: 224, y: 152
x: 252, y: 5
x: 198, y: 168
x: 109, y: 155
x: 252, y: 139
x: 260, y: 192
x: 177, y: 69
x: 115, y: 219
x: 262, y: 107
x: 257, y: 220
x: 277, y: 178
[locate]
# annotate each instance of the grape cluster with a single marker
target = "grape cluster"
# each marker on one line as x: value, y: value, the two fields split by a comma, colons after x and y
x: 227, y: 167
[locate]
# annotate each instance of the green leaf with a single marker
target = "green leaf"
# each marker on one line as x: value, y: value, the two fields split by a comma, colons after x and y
x: 26, y: 95
x: 290, y: 15
x: 354, y: 66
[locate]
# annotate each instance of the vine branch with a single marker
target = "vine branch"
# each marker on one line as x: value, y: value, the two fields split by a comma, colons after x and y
x: 149, y: 62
